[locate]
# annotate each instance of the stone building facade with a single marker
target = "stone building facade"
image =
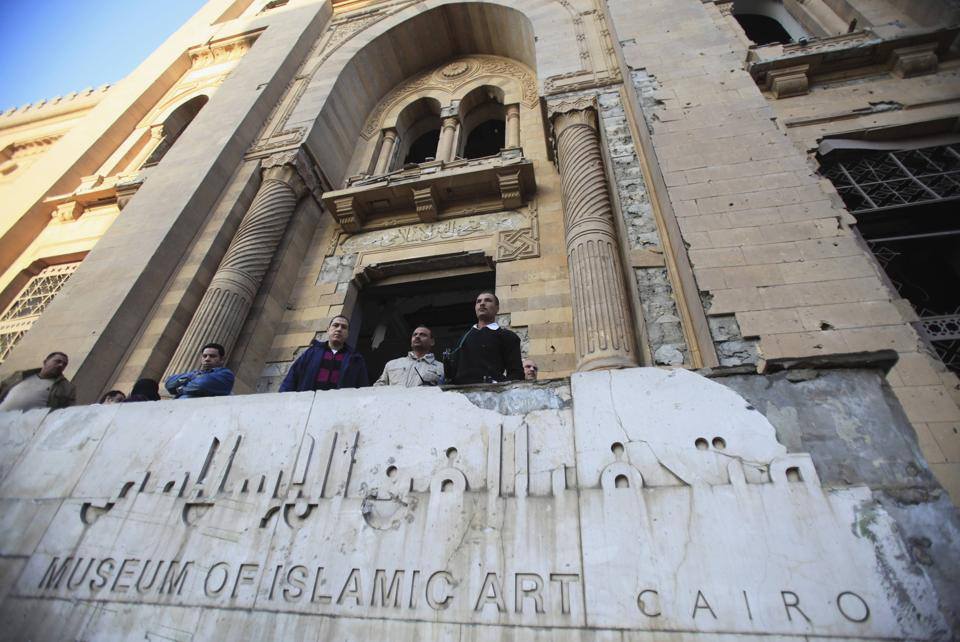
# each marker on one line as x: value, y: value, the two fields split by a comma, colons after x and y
x: 739, y: 188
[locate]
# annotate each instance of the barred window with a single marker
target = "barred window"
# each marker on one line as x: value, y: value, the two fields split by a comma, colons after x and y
x: 30, y: 303
x: 878, y: 180
x: 905, y: 203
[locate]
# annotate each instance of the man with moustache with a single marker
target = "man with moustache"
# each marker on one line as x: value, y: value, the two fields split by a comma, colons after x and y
x: 418, y: 368
x: 328, y: 365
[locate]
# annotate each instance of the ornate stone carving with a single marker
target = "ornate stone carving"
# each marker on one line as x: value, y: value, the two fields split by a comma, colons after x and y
x: 69, y: 211
x: 219, y: 51
x: 347, y: 212
x: 511, y: 189
x: 791, y: 81
x: 228, y: 298
x: 475, y: 67
x: 425, y: 200
x: 421, y: 233
x: 907, y: 62
x: 601, y: 317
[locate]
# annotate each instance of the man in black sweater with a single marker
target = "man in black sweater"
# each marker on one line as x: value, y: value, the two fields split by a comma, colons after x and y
x: 486, y: 353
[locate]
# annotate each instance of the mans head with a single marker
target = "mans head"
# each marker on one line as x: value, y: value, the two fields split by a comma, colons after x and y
x: 338, y: 331
x: 211, y: 356
x: 486, y: 306
x: 421, y: 341
x: 53, y: 365
x: 530, y: 370
x: 114, y: 396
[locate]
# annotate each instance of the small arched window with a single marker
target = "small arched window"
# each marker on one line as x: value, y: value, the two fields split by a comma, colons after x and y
x: 484, y: 123
x: 767, y: 22
x: 175, y: 124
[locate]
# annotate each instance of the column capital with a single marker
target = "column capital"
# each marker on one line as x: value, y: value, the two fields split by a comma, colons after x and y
x: 578, y: 110
x: 450, y: 122
x: 292, y: 167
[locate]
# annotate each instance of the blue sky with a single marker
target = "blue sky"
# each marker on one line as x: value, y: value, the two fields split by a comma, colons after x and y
x: 52, y: 47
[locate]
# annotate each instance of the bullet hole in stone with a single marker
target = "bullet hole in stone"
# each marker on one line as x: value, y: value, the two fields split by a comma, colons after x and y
x: 701, y: 443
x: 719, y: 443
x: 616, y: 448
x: 451, y: 454
x: 621, y: 481
x: 793, y: 474
x: 912, y: 470
x: 825, y: 326
x: 446, y: 486
x: 391, y: 471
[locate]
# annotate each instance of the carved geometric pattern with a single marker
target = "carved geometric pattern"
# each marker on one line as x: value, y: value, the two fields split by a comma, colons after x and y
x: 518, y: 244
x: 450, y: 77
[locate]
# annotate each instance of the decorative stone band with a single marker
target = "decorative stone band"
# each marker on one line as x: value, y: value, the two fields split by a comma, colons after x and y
x: 601, y: 316
x: 226, y: 303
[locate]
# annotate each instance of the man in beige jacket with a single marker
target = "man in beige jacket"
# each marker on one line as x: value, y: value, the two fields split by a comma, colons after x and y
x: 418, y: 368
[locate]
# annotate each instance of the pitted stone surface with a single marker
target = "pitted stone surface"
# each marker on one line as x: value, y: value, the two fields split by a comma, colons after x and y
x: 654, y: 500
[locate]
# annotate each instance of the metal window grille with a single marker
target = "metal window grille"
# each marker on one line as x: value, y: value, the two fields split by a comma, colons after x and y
x: 30, y: 303
x: 880, y: 180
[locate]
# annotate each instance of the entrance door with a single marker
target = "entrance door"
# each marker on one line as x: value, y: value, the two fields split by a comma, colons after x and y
x: 389, y: 314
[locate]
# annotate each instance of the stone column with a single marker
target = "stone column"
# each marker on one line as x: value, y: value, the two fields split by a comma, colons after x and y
x: 386, y: 151
x: 513, y: 126
x: 448, y: 132
x: 226, y: 303
x: 601, y: 315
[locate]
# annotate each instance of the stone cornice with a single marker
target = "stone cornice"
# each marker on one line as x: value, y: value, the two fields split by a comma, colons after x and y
x: 219, y: 51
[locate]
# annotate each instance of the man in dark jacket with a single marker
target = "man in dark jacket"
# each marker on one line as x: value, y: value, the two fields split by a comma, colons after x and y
x: 487, y: 353
x: 39, y: 388
x: 328, y: 365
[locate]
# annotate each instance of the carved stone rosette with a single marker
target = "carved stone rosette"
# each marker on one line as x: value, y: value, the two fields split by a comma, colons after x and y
x: 226, y: 303
x: 601, y: 316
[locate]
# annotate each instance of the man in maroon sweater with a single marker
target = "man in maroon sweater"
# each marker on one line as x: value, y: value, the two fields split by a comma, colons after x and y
x: 328, y: 365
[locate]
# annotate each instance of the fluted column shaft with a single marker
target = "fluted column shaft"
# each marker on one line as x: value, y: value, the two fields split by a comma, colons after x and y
x: 226, y: 303
x: 601, y: 316
x: 386, y: 151
x: 448, y: 132
x: 513, y: 126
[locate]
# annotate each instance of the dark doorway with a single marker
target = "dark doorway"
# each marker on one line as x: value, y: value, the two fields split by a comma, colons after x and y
x: 762, y: 30
x: 389, y: 314
x: 486, y: 139
x: 423, y: 148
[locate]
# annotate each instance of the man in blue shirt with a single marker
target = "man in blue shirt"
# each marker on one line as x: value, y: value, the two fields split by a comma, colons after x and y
x: 211, y: 380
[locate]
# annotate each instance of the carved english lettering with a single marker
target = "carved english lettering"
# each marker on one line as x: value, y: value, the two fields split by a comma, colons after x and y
x: 413, y: 589
x: 103, y: 576
x: 855, y: 604
x: 351, y: 588
x: 435, y: 603
x: 140, y: 588
x: 701, y: 603
x: 792, y: 601
x: 75, y: 584
x: 490, y: 593
x: 246, y: 575
x: 316, y: 596
x: 523, y: 590
x: 644, y: 606
x: 295, y: 578
x: 173, y: 581
x: 224, y: 568
x: 564, y: 579
x: 393, y: 593
x: 53, y: 575
x: 123, y: 573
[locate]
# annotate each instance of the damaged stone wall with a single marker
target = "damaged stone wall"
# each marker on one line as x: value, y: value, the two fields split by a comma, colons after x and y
x: 645, y: 499
x: 664, y: 329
